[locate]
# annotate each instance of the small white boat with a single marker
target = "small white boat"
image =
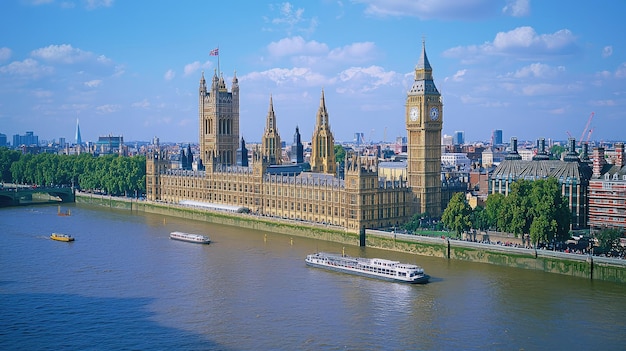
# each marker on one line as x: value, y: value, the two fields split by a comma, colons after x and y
x: 189, y: 237
x: 369, y: 267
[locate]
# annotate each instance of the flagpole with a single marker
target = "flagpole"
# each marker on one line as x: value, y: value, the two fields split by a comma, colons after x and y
x: 218, y: 61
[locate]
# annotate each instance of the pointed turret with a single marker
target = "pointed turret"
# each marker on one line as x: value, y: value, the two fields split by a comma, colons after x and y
x: 202, y: 85
x: 272, y: 148
x: 322, y: 114
x: 323, y: 143
x: 423, y: 61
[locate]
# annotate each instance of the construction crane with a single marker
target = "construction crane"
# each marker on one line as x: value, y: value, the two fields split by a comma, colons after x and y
x: 589, y: 135
x: 582, y: 136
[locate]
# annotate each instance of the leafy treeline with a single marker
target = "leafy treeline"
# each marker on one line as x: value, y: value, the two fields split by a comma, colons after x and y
x: 536, y: 208
x: 112, y: 174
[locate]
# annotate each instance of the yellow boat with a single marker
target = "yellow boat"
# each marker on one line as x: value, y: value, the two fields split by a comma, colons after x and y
x: 61, y: 237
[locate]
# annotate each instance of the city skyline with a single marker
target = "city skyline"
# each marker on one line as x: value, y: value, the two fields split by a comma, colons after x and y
x: 531, y: 69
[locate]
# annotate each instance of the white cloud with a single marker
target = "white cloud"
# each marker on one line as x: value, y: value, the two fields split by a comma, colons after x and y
x: 366, y: 79
x: 517, y: 8
x: 93, y: 83
x: 289, y: 15
x: 458, y: 76
x: 40, y: 2
x: 169, y: 75
x: 537, y: 70
x: 521, y: 42
x: 603, y: 103
x: 94, y: 4
x: 108, y: 108
x: 432, y: 9
x: 621, y: 71
x: 43, y: 93
x: 283, y: 76
x: 353, y: 52
x: 549, y: 89
x: 64, y: 53
x: 607, y: 51
x: 291, y: 19
x: 5, y: 54
x: 28, y: 67
x: 141, y: 104
x: 191, y: 68
x: 526, y: 37
x: 296, y: 46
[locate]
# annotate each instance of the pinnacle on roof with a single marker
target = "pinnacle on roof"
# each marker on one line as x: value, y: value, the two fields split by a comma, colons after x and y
x: 423, y: 61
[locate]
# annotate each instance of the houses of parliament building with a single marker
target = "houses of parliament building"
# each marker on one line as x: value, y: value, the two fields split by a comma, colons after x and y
x: 266, y: 186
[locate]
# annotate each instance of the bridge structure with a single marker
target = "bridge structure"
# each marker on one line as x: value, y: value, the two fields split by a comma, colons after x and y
x: 13, y: 195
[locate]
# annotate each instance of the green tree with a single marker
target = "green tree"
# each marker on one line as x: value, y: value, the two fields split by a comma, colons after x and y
x: 493, y: 209
x: 479, y: 218
x: 518, y: 206
x: 340, y: 153
x: 550, y: 209
x: 415, y: 222
x: 556, y: 151
x: 7, y: 158
x: 608, y: 239
x: 456, y: 216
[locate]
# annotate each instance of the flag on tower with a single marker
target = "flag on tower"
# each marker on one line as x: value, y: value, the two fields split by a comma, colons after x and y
x: 214, y: 52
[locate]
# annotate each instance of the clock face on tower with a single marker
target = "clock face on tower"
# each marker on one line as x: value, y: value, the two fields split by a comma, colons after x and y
x: 434, y: 113
x: 414, y: 114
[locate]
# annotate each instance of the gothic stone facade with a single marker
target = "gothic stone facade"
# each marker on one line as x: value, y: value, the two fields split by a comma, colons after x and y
x: 361, y: 200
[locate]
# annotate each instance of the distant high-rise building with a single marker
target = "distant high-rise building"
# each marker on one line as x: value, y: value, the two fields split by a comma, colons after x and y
x: 359, y: 138
x: 3, y: 139
x: 79, y: 140
x: 297, y: 149
x: 496, y: 137
x: 28, y: 139
x: 458, y: 138
x: 242, y: 154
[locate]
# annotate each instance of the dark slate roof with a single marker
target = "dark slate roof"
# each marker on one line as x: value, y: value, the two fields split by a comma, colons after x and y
x: 539, y: 169
x: 423, y: 61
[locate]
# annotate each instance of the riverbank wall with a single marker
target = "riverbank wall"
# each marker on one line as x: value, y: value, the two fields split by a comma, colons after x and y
x: 581, y: 266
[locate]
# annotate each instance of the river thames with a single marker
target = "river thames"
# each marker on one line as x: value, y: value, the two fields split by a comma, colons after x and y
x: 124, y: 285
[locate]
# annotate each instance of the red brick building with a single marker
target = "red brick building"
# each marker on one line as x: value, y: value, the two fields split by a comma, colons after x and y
x: 607, y: 190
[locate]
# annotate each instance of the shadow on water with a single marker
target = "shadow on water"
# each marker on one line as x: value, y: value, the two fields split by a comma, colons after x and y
x: 74, y: 322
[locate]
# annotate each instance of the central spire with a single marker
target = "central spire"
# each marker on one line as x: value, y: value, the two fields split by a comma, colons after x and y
x: 271, y: 144
x: 323, y: 143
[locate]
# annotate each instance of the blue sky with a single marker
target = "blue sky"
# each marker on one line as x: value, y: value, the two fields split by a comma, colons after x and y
x: 531, y: 68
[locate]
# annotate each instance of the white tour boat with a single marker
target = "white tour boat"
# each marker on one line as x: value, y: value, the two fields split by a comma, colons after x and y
x: 192, y: 238
x: 369, y: 267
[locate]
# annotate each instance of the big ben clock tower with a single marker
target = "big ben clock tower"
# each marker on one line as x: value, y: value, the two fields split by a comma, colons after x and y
x: 424, y: 120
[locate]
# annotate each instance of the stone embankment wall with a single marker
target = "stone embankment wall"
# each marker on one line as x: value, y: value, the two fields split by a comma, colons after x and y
x: 273, y: 225
x: 597, y: 268
x: 583, y: 266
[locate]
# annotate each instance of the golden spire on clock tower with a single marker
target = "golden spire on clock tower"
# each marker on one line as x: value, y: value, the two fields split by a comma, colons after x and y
x: 424, y: 115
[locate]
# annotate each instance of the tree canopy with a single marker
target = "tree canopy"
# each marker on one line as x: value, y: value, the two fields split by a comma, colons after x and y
x: 536, y: 208
x: 457, y: 215
x: 116, y: 175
